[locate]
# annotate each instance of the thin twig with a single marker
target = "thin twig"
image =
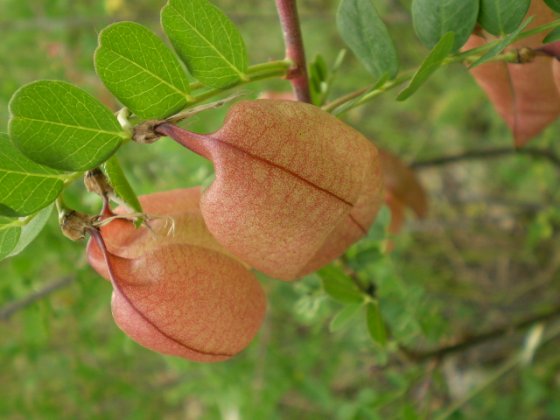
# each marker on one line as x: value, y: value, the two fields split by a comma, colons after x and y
x: 475, y: 340
x: 288, y: 14
x: 11, y: 308
x: 546, y: 154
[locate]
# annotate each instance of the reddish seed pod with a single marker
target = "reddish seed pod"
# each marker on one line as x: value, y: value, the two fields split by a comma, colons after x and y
x: 294, y: 186
x: 525, y: 95
x: 175, y: 292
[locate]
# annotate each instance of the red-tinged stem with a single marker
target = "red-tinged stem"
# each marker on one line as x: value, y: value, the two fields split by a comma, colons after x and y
x: 289, y: 19
x: 192, y: 141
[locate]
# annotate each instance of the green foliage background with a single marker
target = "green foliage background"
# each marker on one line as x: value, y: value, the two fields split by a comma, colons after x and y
x: 487, y: 255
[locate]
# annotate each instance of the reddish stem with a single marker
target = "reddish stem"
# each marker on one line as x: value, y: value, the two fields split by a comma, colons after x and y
x: 297, y: 75
x: 192, y: 141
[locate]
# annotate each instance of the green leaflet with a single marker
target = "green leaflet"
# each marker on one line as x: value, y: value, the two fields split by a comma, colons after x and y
x: 343, y: 318
x: 206, y: 40
x: 501, y: 17
x: 25, y: 186
x: 553, y: 4
x: 9, y: 236
x: 31, y: 229
x: 375, y: 324
x: 434, y: 18
x: 552, y: 36
x: 141, y: 71
x: 62, y: 126
x: 432, y: 63
x: 365, y: 33
x: 120, y: 184
x: 339, y: 286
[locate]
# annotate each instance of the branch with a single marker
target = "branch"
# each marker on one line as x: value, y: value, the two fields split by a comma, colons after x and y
x: 475, y: 340
x: 489, y: 154
x: 7, y: 311
x: 287, y: 11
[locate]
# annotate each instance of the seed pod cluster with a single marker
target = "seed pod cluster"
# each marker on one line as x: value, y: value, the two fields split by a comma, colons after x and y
x: 294, y: 187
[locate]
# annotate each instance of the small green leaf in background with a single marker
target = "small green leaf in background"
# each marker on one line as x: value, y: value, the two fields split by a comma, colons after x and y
x: 500, y: 46
x: 552, y: 36
x: 432, y: 62
x: 120, y: 184
x: 553, y: 4
x: 62, y: 126
x: 343, y: 318
x: 433, y: 19
x: 206, y: 40
x: 31, y: 229
x: 9, y: 236
x: 25, y: 186
x: 380, y: 226
x: 364, y: 32
x: 375, y: 324
x: 339, y: 286
x: 501, y: 17
x: 141, y: 71
x: 318, y: 75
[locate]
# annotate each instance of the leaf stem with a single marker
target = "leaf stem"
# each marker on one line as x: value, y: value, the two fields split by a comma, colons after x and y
x: 255, y: 73
x: 291, y: 30
x: 361, y: 96
x: 483, y: 48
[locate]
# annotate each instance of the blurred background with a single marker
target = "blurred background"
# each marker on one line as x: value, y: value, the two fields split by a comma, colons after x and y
x: 487, y: 256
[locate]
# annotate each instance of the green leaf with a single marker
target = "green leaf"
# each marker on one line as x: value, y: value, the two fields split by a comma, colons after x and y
x: 375, y: 324
x: 343, y: 318
x: 141, y: 71
x: 500, y: 46
x: 552, y: 36
x: 500, y: 17
x: 206, y: 40
x: 120, y: 184
x: 339, y: 286
x: 318, y: 77
x: 433, y: 19
x: 31, y: 229
x: 553, y: 4
x: 61, y: 126
x: 432, y: 62
x: 365, y: 33
x: 380, y: 226
x: 25, y: 186
x: 9, y: 235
